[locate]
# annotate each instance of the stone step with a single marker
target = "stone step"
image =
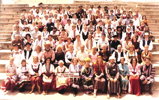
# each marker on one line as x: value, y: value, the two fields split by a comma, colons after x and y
x: 14, y: 5
x: 5, y: 45
x: 5, y: 35
x: 5, y: 54
x: 155, y: 46
x: 156, y: 83
x: 6, y: 32
x: 8, y: 20
x: 5, y: 39
x: 155, y: 56
x: 2, y: 65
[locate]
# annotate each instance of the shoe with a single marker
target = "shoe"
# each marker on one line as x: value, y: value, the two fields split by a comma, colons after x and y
x: 119, y: 96
x: 44, y: 93
x: 108, y: 96
x: 94, y: 95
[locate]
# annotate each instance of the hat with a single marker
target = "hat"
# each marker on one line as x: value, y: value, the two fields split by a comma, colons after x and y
x: 87, y: 59
x: 61, y: 61
x: 47, y: 42
x: 112, y: 57
x: 115, y: 36
x: 146, y: 33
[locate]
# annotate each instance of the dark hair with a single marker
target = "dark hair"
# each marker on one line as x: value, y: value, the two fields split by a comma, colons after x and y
x: 23, y: 61
x: 27, y: 35
x: 47, y: 59
x: 133, y: 59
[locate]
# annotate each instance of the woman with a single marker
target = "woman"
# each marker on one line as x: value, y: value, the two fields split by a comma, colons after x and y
x: 97, y: 35
x: 68, y: 44
x: 89, y: 42
x: 75, y: 69
x: 87, y: 75
x: 131, y: 53
x: 124, y: 74
x: 134, y: 69
x: 93, y: 55
x: 69, y: 55
x: 147, y: 75
x: 10, y: 82
x: 47, y: 76
x: 112, y: 73
x: 62, y: 82
x: 23, y: 75
x: 105, y: 53
x: 78, y: 43
x: 35, y: 73
x: 99, y: 73
x: 145, y: 54
x: 38, y: 52
x: 59, y: 54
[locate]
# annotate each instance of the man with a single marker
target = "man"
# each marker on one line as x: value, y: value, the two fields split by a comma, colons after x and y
x: 113, y: 77
x: 50, y: 25
x: 146, y: 41
x: 27, y: 53
x: 119, y: 53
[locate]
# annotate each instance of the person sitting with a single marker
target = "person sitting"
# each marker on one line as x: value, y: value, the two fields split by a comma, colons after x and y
x: 10, y: 82
x: 87, y: 76
x: 35, y: 73
x: 134, y: 79
x: 145, y: 54
x: 23, y: 76
x: 112, y: 73
x: 62, y: 82
x: 147, y: 75
x: 124, y: 74
x: 75, y: 69
x: 99, y: 73
x: 47, y: 72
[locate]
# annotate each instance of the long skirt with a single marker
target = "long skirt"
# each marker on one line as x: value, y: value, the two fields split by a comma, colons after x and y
x: 8, y: 84
x: 134, y: 85
x: 48, y: 85
x: 62, y: 84
x: 36, y: 80
x: 99, y: 84
x: 114, y: 87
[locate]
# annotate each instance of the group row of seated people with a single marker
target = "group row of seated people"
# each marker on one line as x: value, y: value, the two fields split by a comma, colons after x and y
x: 106, y: 49
x: 108, y: 77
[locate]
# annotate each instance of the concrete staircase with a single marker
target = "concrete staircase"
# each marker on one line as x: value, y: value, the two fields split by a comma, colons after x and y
x: 10, y: 13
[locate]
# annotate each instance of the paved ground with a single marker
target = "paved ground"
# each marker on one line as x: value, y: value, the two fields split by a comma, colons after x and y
x: 69, y: 96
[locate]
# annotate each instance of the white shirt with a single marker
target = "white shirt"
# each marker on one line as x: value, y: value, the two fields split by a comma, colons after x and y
x: 68, y: 56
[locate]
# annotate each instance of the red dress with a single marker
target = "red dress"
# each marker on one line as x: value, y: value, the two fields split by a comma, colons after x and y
x: 134, y: 85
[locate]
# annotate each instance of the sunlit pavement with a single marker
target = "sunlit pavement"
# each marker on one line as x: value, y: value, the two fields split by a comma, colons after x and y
x: 69, y: 96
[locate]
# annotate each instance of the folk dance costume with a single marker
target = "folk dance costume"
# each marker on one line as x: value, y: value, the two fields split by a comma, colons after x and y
x: 134, y: 80
x: 147, y: 74
x: 87, y: 76
x: 10, y: 82
x: 23, y: 76
x: 62, y: 82
x: 75, y: 81
x: 113, y: 78
x: 48, y: 78
x: 35, y: 72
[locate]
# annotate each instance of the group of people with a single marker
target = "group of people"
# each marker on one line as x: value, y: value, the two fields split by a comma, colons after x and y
x: 89, y: 49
